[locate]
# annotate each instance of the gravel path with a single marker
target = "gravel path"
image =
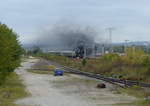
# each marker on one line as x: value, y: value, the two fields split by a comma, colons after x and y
x: 68, y: 90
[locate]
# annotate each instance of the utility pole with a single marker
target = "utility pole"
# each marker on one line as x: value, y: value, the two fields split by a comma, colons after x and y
x: 103, y: 49
x: 84, y: 56
x: 126, y: 44
x: 84, y: 52
x: 110, y: 29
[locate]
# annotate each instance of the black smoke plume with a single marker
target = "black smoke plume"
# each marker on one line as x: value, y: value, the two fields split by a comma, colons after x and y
x: 67, y: 37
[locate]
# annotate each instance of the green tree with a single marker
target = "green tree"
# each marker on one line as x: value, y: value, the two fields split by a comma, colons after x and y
x: 10, y: 51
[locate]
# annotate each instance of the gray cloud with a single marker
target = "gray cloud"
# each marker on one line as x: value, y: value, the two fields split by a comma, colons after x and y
x: 129, y: 17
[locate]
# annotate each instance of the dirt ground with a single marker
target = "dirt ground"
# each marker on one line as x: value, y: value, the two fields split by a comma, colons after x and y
x: 67, y: 90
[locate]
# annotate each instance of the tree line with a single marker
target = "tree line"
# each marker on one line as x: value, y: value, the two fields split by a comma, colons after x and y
x: 10, y: 52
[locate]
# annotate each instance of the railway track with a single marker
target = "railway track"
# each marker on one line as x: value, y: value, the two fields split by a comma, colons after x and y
x: 115, y: 81
x: 119, y: 82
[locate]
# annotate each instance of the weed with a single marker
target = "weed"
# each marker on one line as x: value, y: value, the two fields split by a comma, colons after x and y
x: 12, y: 90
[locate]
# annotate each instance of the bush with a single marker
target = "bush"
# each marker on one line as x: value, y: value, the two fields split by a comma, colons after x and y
x: 84, y: 62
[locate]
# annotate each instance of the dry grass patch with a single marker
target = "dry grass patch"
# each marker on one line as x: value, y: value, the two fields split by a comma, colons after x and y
x: 40, y: 71
x: 12, y: 90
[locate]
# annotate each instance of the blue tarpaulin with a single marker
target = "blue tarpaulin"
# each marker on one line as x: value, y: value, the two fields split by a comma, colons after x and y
x: 58, y: 72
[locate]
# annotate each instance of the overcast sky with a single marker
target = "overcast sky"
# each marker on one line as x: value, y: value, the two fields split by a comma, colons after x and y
x: 129, y: 18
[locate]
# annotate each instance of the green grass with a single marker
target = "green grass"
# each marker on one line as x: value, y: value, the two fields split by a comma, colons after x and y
x: 143, y: 103
x: 137, y: 92
x: 12, y: 90
x: 40, y: 71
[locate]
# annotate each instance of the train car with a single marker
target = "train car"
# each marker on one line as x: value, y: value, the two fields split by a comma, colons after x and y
x: 70, y: 54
